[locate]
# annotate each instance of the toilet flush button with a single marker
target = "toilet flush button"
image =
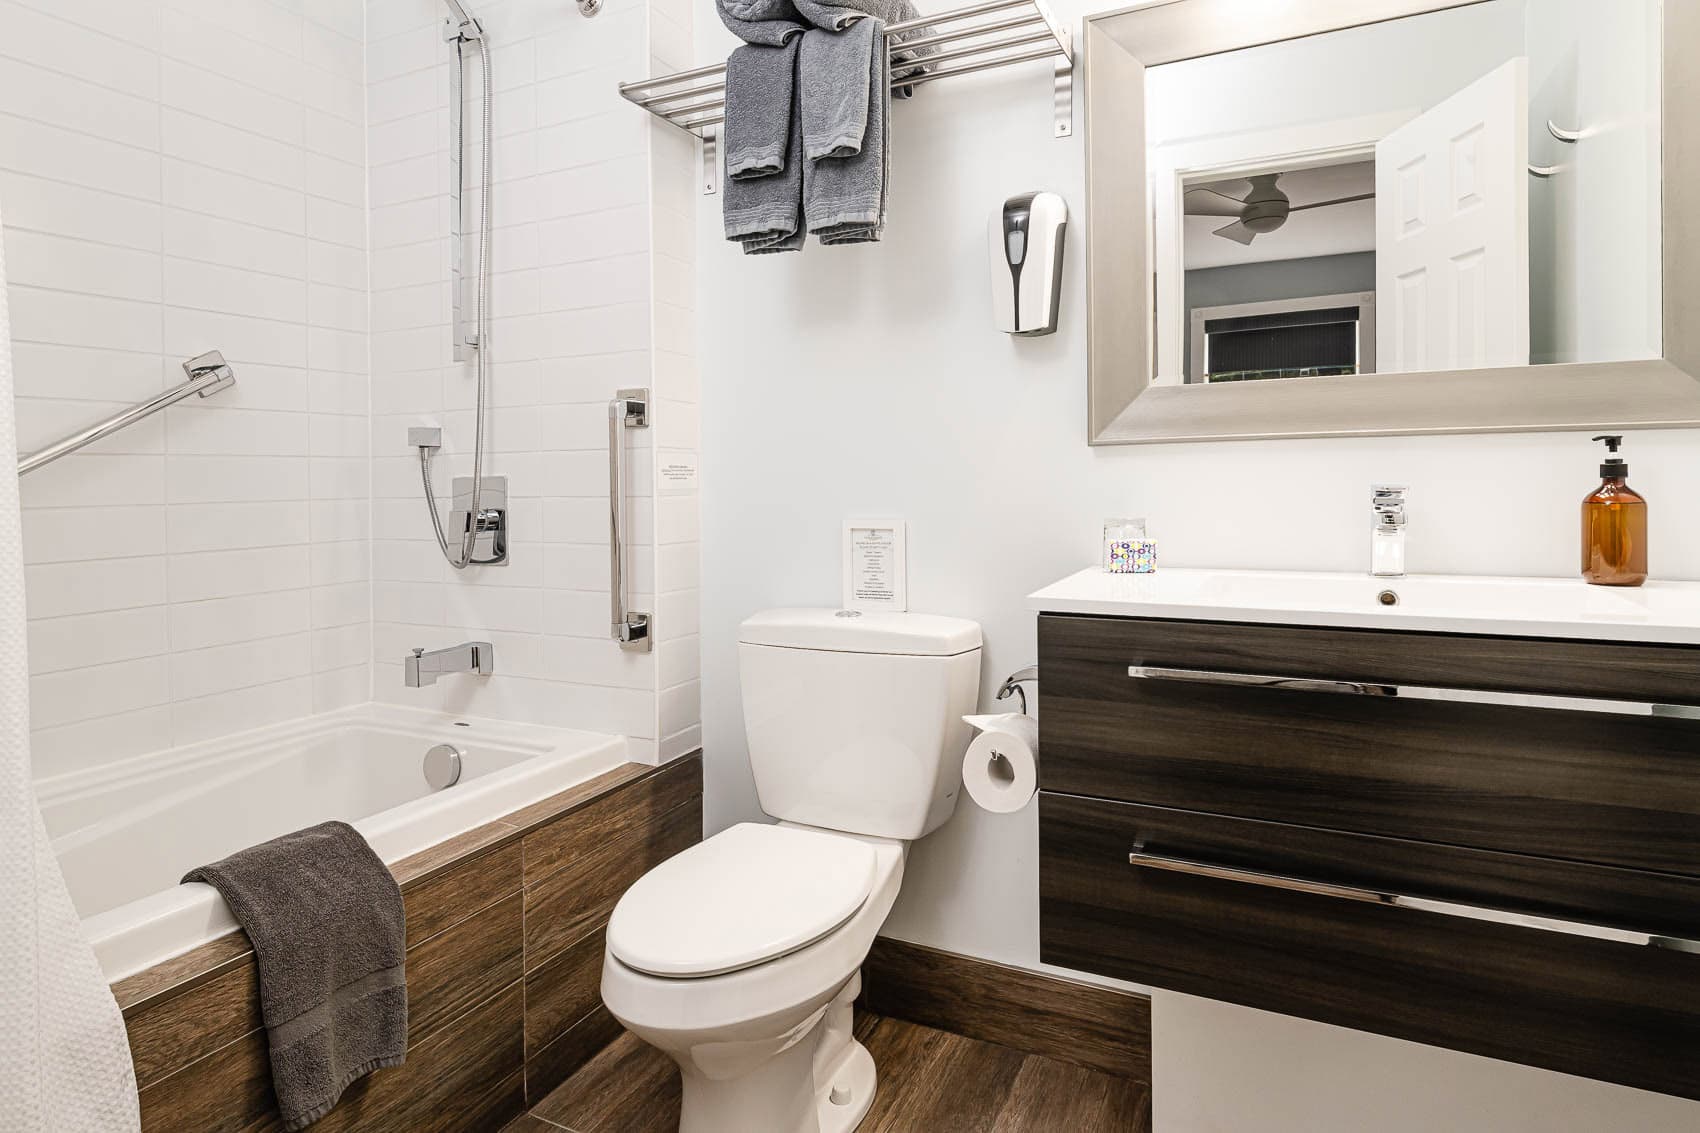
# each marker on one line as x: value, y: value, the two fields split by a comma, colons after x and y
x: 840, y: 1095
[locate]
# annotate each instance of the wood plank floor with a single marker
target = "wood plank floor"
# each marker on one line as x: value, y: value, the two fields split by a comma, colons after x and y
x: 928, y: 1080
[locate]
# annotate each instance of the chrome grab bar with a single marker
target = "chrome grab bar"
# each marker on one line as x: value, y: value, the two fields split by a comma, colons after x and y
x: 208, y: 374
x: 628, y: 410
x: 1192, y: 867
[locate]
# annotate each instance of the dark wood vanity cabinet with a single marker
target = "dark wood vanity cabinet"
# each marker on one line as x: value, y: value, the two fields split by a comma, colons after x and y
x: 1480, y: 869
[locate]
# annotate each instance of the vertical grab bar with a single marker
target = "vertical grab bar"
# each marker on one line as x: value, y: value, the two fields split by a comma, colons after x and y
x: 628, y: 410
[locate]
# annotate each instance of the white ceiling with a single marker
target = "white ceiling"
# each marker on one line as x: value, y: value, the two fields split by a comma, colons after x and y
x: 1331, y: 231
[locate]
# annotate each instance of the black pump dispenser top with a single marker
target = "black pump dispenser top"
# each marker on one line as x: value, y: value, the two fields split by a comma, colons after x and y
x: 1614, y: 468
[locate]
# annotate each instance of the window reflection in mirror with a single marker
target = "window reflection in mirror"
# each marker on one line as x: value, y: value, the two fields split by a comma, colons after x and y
x: 1390, y: 198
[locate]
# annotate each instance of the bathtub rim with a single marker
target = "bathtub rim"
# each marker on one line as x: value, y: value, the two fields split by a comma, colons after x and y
x: 158, y: 927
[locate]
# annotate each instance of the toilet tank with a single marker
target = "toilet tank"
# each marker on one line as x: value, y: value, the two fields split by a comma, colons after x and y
x: 854, y: 718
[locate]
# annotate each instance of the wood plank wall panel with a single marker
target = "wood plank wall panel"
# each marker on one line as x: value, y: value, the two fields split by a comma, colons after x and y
x: 1085, y: 1024
x: 455, y: 894
x: 574, y: 874
x: 194, y: 1022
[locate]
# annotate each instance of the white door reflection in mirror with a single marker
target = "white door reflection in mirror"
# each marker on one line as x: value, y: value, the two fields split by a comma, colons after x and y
x: 1452, y: 230
x: 1394, y: 159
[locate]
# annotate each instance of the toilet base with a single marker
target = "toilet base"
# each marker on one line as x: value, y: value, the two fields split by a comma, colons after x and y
x: 853, y: 1084
x: 813, y: 1078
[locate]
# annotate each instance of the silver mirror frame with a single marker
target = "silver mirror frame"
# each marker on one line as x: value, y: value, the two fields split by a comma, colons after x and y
x: 1124, y: 407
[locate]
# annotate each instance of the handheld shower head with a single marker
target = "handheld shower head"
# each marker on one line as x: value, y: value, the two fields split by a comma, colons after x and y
x: 462, y: 24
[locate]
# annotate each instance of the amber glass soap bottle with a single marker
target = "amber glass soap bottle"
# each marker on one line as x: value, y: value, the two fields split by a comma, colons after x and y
x: 1614, y: 526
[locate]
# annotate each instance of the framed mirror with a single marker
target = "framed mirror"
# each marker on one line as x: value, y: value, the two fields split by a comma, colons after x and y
x: 1360, y: 217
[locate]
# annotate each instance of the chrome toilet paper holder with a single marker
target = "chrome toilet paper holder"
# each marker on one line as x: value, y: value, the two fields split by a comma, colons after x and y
x: 1012, y: 685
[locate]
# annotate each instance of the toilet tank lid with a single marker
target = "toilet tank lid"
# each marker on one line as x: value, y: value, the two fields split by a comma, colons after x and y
x: 861, y: 631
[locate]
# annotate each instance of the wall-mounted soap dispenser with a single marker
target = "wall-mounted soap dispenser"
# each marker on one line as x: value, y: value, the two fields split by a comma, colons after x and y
x: 1026, y: 240
x: 1614, y: 526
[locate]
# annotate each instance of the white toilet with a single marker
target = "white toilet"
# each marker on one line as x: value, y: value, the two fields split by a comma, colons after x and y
x: 741, y: 956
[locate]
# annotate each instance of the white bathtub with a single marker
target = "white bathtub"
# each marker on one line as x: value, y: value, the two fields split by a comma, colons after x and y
x: 125, y: 833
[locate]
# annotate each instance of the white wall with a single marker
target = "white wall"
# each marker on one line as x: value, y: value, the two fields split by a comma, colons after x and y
x: 867, y: 380
x: 578, y: 253
x: 179, y: 176
x: 1595, y: 282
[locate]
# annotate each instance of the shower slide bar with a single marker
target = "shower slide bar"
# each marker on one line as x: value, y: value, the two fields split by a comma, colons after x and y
x: 208, y: 374
x: 1023, y: 31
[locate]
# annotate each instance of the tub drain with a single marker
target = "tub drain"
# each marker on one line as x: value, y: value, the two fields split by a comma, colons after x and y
x: 442, y: 766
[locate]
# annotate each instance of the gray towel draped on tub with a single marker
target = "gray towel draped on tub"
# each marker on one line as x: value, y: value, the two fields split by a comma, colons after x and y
x: 807, y: 106
x: 330, y: 939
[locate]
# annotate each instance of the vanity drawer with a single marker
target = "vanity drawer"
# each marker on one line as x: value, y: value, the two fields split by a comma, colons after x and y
x: 1540, y: 992
x: 1589, y: 786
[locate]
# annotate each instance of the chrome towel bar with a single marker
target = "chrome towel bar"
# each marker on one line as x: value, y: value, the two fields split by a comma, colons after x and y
x: 208, y: 374
x: 1192, y: 867
x: 628, y: 410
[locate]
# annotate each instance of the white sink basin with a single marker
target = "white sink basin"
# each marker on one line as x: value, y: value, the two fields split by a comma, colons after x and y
x: 1525, y: 607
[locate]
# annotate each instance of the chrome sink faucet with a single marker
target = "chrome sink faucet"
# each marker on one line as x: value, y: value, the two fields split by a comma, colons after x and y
x: 1387, y: 536
x: 425, y: 666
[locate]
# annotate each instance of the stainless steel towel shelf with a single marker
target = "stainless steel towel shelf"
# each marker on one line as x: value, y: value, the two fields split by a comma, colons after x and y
x: 984, y: 36
x: 208, y: 374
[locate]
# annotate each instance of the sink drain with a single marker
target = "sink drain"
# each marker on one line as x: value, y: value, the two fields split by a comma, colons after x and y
x: 1388, y: 597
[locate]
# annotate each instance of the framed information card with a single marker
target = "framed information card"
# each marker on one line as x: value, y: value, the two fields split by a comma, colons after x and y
x: 876, y: 559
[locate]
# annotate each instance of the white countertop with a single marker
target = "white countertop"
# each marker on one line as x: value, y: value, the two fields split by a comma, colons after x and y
x: 1667, y: 612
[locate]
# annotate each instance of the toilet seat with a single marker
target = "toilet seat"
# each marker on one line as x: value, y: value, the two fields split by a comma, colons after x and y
x: 748, y: 895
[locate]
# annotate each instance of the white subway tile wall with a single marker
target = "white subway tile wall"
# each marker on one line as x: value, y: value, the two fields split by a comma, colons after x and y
x: 180, y: 176
x: 270, y: 178
x: 575, y: 175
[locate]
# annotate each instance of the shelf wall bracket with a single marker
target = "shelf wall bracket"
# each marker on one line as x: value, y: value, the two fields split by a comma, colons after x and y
x: 1065, y: 98
x: 710, y: 160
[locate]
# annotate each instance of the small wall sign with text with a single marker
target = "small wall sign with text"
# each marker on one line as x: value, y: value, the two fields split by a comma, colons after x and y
x: 676, y: 473
x: 876, y: 565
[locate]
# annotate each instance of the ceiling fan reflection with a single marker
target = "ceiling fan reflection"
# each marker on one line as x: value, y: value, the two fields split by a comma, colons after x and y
x: 1261, y: 211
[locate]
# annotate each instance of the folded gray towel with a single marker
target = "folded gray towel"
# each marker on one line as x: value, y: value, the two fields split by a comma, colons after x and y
x: 768, y: 23
x: 836, y: 15
x: 763, y: 202
x: 760, y: 84
x: 330, y: 938
x: 845, y: 102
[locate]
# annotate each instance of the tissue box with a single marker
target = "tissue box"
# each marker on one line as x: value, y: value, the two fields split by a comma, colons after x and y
x: 1131, y: 556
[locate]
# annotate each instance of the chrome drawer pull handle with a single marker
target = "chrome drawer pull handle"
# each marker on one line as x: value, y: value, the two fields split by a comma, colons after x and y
x: 1252, y: 680
x: 1146, y: 860
x: 1411, y: 692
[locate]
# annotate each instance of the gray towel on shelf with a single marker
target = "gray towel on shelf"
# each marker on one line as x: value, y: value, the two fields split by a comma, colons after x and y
x: 760, y: 88
x: 766, y: 23
x: 837, y: 15
x: 763, y: 200
x: 330, y: 938
x: 845, y: 101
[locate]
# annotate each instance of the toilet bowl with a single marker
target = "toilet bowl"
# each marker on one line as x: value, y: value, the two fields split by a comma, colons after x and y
x: 768, y: 1044
x: 741, y: 957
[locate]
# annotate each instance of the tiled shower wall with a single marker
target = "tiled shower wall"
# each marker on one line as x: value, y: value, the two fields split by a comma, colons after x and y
x: 577, y: 256
x: 184, y: 175
x: 178, y: 176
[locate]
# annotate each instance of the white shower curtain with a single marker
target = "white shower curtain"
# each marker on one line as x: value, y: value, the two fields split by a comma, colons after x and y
x: 64, y: 1060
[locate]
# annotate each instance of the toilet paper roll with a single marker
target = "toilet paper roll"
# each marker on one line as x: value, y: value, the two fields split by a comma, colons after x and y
x: 1001, y: 769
